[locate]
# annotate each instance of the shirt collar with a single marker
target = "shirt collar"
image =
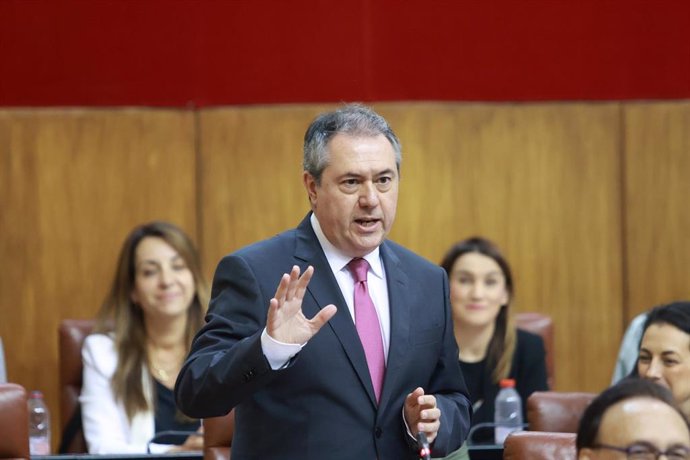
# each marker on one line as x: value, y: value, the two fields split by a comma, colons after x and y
x: 336, y: 259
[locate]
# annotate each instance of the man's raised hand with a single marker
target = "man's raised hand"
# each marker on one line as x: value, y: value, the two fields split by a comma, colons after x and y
x: 286, y: 323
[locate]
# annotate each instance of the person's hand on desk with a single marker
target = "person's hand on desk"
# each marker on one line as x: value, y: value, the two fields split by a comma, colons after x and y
x: 421, y: 414
x: 286, y: 323
x: 194, y: 442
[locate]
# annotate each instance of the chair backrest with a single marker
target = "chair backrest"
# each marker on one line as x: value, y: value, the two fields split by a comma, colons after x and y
x: 539, y: 445
x: 72, y: 333
x: 14, y: 422
x: 556, y: 410
x: 542, y: 325
x: 218, y: 433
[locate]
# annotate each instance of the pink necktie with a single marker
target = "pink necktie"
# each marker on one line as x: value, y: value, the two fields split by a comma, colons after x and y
x: 367, y: 324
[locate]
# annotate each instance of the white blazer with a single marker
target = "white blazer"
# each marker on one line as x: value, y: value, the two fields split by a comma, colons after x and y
x: 106, y: 427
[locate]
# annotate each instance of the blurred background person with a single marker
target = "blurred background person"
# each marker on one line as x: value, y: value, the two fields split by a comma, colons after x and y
x: 626, y: 362
x: 664, y: 356
x: 491, y: 347
x: 144, y: 329
x: 3, y: 371
x: 634, y: 419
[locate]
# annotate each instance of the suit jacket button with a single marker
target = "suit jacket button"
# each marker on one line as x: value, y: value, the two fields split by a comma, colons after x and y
x: 378, y: 432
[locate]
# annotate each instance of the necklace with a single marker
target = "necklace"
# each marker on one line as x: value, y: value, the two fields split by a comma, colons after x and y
x: 164, y: 370
x: 165, y: 360
x: 162, y: 373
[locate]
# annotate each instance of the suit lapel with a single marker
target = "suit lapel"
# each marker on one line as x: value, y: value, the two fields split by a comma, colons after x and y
x: 398, y: 300
x: 325, y: 290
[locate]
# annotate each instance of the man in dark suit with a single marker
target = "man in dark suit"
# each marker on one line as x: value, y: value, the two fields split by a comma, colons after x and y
x: 335, y: 386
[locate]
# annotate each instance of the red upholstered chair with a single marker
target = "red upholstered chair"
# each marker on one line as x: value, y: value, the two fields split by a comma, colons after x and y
x: 542, y: 325
x: 71, y: 334
x: 556, y: 411
x: 218, y: 433
x: 14, y: 422
x: 540, y: 445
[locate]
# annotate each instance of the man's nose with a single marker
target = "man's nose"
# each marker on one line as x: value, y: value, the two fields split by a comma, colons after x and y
x: 369, y: 196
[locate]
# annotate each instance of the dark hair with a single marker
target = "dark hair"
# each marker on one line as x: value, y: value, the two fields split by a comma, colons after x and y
x: 629, y: 388
x: 502, y: 344
x: 352, y: 119
x: 677, y: 314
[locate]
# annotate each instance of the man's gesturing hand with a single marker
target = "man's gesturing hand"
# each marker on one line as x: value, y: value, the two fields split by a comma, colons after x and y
x: 286, y: 323
x: 422, y: 414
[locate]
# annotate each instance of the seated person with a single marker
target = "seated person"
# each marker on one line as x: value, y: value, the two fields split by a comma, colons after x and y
x: 634, y: 419
x: 627, y: 355
x: 664, y: 356
x: 143, y: 332
x: 491, y: 347
x: 3, y: 372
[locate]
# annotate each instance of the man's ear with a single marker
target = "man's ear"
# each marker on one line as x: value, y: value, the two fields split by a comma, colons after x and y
x: 310, y: 185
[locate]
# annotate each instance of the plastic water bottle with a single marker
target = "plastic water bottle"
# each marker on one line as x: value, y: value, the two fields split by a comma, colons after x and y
x: 507, y: 411
x: 39, y: 425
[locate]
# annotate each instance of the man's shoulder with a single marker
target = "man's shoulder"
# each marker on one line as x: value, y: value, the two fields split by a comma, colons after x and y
x: 284, y: 242
x: 277, y: 243
x: 408, y: 257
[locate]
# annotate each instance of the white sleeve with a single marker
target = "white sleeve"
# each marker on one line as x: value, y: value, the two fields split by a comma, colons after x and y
x: 278, y: 353
x: 106, y: 427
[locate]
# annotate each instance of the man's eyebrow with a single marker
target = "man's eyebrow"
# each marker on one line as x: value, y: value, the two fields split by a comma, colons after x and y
x: 386, y: 171
x: 350, y: 173
x: 357, y: 174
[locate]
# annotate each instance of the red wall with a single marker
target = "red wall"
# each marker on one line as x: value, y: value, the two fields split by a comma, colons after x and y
x: 205, y: 52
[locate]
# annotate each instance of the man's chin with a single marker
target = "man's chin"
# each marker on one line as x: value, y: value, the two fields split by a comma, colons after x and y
x: 365, y: 245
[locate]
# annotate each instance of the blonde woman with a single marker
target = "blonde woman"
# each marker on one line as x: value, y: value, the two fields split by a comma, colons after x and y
x: 144, y: 329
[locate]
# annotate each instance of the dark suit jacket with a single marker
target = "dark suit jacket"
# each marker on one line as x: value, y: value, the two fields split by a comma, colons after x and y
x: 322, y: 405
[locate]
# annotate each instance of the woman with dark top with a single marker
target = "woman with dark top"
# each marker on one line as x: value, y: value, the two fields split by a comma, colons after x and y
x: 143, y: 332
x: 491, y: 348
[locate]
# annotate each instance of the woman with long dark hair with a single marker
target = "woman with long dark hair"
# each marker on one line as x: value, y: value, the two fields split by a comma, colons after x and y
x: 491, y: 348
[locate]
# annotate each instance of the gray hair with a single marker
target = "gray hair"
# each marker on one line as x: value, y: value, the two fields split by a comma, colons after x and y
x: 352, y: 119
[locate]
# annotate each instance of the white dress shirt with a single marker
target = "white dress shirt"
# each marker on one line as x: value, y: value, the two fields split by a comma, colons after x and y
x: 278, y: 353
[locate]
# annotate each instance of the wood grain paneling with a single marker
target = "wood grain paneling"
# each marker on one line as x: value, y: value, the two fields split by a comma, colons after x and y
x: 73, y: 184
x: 251, y: 175
x: 657, y: 209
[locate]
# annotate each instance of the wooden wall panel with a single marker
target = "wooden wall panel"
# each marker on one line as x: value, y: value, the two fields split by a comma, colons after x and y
x: 541, y: 180
x: 657, y: 209
x: 251, y: 175
x: 72, y: 184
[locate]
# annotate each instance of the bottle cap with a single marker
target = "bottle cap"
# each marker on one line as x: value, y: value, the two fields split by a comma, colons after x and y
x: 507, y: 383
x: 37, y: 394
